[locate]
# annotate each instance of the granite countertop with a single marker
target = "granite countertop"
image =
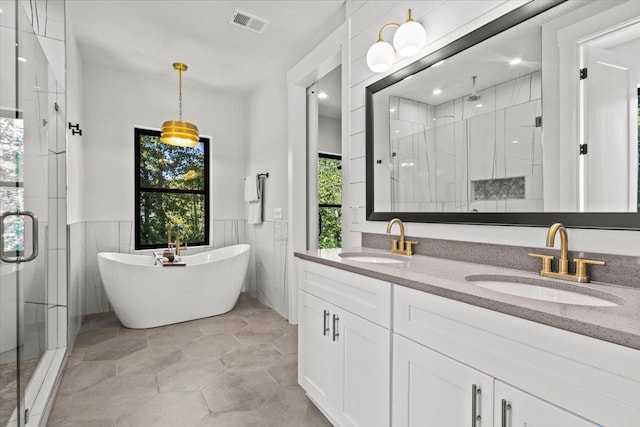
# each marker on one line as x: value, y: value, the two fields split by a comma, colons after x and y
x: 617, y: 324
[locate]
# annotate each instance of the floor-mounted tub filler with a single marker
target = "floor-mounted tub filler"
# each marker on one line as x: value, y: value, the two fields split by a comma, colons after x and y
x: 144, y: 295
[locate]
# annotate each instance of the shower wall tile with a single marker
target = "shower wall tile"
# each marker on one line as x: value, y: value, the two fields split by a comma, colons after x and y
x: 75, y: 298
x: 266, y: 277
x: 101, y: 237
x: 536, y: 85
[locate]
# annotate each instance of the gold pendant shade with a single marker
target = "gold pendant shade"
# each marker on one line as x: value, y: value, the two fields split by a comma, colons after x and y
x: 179, y: 132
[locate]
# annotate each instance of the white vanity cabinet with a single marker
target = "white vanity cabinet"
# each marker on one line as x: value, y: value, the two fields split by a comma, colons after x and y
x: 344, y: 345
x: 530, y: 374
x: 514, y: 408
x: 430, y: 389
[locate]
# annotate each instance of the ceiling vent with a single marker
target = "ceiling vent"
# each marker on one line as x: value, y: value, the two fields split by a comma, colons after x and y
x: 248, y: 21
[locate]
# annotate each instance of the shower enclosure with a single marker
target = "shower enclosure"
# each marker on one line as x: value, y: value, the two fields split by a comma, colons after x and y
x: 33, y: 257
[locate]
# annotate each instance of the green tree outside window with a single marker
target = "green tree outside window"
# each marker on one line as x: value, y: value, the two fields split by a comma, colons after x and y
x: 329, y: 201
x: 172, y: 188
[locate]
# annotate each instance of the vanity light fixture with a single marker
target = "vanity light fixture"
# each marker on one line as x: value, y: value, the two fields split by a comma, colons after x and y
x: 409, y: 38
x: 323, y: 95
x: 437, y: 91
x: 179, y: 132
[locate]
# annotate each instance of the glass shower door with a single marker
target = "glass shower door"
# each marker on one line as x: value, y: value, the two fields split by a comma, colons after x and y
x: 32, y: 138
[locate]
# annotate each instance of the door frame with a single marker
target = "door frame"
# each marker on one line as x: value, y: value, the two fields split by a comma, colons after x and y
x: 333, y: 51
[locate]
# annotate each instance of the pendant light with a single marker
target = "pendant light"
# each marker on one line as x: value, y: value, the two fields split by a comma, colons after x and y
x: 178, y: 132
x: 409, y: 38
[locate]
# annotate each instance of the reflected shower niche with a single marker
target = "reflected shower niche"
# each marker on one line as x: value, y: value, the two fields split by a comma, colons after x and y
x: 481, y: 152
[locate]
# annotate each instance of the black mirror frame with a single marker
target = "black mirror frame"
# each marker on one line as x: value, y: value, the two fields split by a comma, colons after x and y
x: 600, y: 220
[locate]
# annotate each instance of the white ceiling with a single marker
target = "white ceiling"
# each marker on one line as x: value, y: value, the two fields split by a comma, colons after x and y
x: 145, y: 37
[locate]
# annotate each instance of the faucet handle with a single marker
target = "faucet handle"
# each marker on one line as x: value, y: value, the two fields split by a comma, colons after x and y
x: 394, y: 244
x: 546, y: 262
x: 408, y: 246
x: 581, y: 268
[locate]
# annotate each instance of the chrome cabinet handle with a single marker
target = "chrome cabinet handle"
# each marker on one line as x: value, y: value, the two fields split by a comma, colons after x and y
x: 325, y: 323
x: 336, y: 334
x: 34, y: 237
x: 506, y: 407
x: 475, y: 396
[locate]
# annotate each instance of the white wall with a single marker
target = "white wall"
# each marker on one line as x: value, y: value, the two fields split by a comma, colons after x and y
x: 329, y: 135
x: 116, y: 102
x: 267, y: 141
x: 444, y: 22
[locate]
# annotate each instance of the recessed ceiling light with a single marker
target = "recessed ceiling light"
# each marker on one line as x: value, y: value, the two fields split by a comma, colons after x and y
x: 437, y: 91
x: 515, y: 141
x: 21, y: 59
x: 408, y: 77
x: 406, y: 164
x: 478, y: 105
x: 439, y: 63
x: 397, y: 131
x: 392, y: 110
x: 323, y: 95
x: 515, y: 61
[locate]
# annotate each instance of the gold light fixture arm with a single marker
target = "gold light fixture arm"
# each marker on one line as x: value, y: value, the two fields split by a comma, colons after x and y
x: 384, y: 27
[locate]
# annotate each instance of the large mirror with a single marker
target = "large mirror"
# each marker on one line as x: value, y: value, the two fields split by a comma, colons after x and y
x: 531, y: 119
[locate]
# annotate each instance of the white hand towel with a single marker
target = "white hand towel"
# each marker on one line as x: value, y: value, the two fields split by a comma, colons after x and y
x: 251, y: 192
x: 254, y: 212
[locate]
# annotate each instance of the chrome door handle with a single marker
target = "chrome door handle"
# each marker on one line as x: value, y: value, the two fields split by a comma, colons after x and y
x: 325, y: 323
x: 475, y: 396
x: 506, y: 407
x: 34, y: 237
x: 336, y: 334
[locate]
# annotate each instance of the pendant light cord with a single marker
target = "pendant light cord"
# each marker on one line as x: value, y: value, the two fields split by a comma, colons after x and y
x: 180, y: 93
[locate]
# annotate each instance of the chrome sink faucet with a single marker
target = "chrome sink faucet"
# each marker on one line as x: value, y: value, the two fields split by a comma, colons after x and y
x: 400, y: 246
x: 581, y: 275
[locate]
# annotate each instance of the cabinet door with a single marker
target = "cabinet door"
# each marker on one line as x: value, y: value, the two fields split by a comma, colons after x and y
x: 430, y: 389
x: 316, y: 350
x: 514, y: 408
x: 362, y: 371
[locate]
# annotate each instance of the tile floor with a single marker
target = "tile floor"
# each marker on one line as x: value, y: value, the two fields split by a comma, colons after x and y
x: 237, y: 369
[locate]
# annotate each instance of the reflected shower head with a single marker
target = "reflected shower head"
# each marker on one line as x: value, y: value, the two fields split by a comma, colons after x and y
x: 473, y: 96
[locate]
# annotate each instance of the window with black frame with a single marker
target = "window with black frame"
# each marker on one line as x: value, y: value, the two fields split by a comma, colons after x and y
x: 172, y: 189
x: 329, y: 201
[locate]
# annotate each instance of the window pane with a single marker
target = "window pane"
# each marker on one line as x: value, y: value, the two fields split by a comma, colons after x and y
x: 329, y: 181
x: 158, y: 210
x: 168, y: 166
x: 11, y: 149
x: 330, y: 228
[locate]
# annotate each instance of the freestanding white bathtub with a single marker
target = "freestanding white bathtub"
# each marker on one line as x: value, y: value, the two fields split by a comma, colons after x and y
x: 144, y: 295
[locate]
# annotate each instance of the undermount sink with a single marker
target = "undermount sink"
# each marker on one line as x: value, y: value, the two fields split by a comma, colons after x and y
x: 373, y: 258
x: 542, y: 290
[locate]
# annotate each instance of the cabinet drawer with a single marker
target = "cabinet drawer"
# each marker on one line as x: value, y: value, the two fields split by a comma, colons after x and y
x: 367, y: 297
